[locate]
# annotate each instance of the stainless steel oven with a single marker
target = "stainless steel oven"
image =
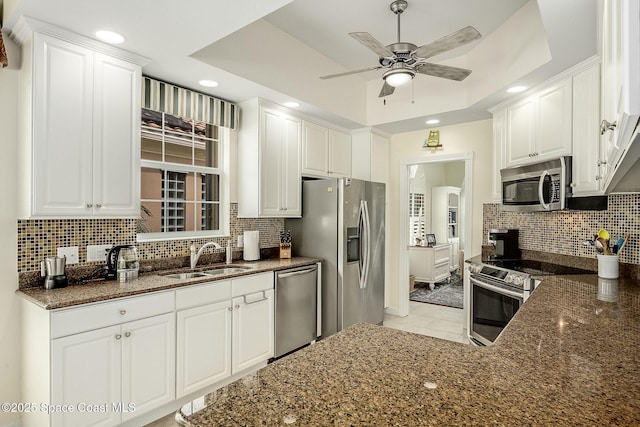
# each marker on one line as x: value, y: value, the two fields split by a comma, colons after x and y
x: 543, y: 186
x: 496, y: 295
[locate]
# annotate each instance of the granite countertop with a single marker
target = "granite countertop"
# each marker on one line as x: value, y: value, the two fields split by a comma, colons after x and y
x: 570, y: 356
x: 102, y: 290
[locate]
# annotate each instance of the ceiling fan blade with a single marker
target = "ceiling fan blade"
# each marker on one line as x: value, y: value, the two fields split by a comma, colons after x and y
x: 444, y: 71
x: 387, y: 89
x: 452, y: 41
x: 369, y: 41
x: 347, y: 73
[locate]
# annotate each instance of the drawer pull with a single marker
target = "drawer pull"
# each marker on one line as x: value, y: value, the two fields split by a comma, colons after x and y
x: 123, y: 312
x: 264, y: 298
x: 237, y: 306
x: 127, y: 334
x: 118, y: 336
x: 231, y: 308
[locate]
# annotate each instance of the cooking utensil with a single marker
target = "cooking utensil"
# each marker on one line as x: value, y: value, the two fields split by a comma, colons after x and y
x: 599, y: 246
x: 626, y: 239
x: 605, y: 245
x: 604, y: 234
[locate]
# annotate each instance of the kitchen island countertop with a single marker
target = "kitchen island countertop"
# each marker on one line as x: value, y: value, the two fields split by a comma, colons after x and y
x: 102, y: 290
x: 570, y: 356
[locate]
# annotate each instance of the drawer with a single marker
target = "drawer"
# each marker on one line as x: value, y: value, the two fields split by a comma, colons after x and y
x: 95, y: 316
x: 208, y: 293
x: 442, y: 252
x: 441, y: 272
x: 250, y: 284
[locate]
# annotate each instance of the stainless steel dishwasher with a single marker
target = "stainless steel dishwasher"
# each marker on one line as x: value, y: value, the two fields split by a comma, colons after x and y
x: 296, y: 305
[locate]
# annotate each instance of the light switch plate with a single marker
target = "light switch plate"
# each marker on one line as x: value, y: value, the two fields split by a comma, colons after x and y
x: 71, y: 252
x: 98, y: 252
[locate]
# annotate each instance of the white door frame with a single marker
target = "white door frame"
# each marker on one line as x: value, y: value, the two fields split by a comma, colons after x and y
x: 403, y: 248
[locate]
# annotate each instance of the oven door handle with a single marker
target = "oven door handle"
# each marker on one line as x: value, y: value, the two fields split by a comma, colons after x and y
x: 497, y: 289
x: 544, y: 205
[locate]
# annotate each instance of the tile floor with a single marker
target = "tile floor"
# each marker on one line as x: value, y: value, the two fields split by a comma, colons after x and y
x: 433, y: 320
x: 426, y: 319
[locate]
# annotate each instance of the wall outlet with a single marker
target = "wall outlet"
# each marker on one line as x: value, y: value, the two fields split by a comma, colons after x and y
x: 98, y: 252
x: 71, y: 252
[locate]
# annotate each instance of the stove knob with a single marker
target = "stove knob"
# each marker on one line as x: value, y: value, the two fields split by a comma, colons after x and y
x: 509, y: 278
x: 517, y: 280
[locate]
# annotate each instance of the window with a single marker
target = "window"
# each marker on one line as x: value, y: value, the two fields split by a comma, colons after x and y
x: 416, y: 217
x: 183, y: 179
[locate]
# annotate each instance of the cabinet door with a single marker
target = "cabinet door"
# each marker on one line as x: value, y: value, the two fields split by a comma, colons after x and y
x: 62, y: 128
x: 291, y: 178
x: 86, y: 368
x: 554, y: 121
x: 499, y: 143
x: 271, y: 131
x: 339, y: 154
x: 520, y: 132
x: 586, y: 113
x: 116, y: 138
x: 315, y: 149
x: 148, y: 363
x: 253, y: 329
x: 379, y: 158
x: 203, y: 346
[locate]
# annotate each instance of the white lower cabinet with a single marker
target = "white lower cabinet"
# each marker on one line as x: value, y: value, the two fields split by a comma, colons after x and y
x: 227, y: 328
x: 113, y: 374
x: 253, y: 329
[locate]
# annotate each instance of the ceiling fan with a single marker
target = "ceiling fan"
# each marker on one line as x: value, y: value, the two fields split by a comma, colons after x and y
x: 403, y: 60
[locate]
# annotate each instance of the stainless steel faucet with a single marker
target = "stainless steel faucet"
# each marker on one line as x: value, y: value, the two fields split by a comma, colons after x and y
x: 195, y: 256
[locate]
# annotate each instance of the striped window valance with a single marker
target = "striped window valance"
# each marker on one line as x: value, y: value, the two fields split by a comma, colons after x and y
x: 170, y: 99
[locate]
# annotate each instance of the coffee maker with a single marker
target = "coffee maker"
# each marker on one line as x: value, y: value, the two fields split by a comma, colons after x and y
x: 505, y: 242
x: 122, y: 263
x: 53, y: 269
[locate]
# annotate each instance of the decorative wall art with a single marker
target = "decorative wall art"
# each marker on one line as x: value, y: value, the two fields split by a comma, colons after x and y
x: 433, y: 140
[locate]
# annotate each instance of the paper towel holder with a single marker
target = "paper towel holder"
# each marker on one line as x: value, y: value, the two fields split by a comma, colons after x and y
x: 251, y: 244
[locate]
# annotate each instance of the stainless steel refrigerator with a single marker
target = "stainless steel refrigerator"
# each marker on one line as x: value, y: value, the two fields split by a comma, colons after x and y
x: 343, y: 223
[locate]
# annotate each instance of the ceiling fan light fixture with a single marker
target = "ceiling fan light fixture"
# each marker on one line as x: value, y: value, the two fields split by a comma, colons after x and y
x: 398, y: 76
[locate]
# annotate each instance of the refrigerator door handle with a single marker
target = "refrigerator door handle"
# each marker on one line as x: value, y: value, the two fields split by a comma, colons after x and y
x: 367, y: 259
x: 362, y: 262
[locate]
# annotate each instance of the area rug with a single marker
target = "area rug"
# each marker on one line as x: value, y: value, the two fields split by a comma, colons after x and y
x: 445, y: 293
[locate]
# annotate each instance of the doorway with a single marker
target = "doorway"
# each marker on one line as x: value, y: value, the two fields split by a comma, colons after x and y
x: 437, y: 171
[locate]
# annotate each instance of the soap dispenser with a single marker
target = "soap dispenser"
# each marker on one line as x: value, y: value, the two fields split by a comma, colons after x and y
x: 229, y: 252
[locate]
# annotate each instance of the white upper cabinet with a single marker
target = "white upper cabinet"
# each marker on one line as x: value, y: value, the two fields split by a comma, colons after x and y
x: 269, y: 176
x: 539, y: 126
x: 586, y: 177
x: 325, y: 152
x: 82, y: 120
x: 372, y: 160
x: 620, y: 83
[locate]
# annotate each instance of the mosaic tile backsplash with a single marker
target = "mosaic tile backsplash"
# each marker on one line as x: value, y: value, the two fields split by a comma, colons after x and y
x: 40, y: 238
x: 562, y: 232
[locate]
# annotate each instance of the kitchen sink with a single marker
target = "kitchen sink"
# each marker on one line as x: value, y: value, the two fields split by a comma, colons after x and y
x: 218, y: 270
x: 227, y: 269
x: 189, y: 275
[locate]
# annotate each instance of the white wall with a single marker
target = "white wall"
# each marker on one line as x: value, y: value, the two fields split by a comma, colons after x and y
x: 10, y: 355
x: 462, y: 138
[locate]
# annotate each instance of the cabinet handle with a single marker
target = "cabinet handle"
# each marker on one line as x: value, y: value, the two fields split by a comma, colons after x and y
x: 127, y: 334
x: 606, y: 125
x: 123, y: 312
x: 89, y: 205
x: 118, y: 336
x: 230, y: 308
x: 264, y: 298
x: 98, y: 205
x: 237, y: 306
x: 602, y: 162
x: 598, y: 177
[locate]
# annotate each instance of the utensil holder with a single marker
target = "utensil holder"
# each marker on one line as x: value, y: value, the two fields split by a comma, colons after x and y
x: 285, y: 251
x: 608, y: 267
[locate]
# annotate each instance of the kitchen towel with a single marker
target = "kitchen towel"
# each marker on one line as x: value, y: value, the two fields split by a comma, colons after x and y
x: 251, y: 246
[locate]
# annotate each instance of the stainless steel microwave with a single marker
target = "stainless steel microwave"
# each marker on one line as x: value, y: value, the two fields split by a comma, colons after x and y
x: 543, y: 186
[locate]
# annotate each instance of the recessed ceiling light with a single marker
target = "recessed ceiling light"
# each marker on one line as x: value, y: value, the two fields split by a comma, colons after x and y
x: 291, y: 104
x: 109, y: 37
x: 208, y: 83
x: 432, y: 122
x: 517, y: 89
